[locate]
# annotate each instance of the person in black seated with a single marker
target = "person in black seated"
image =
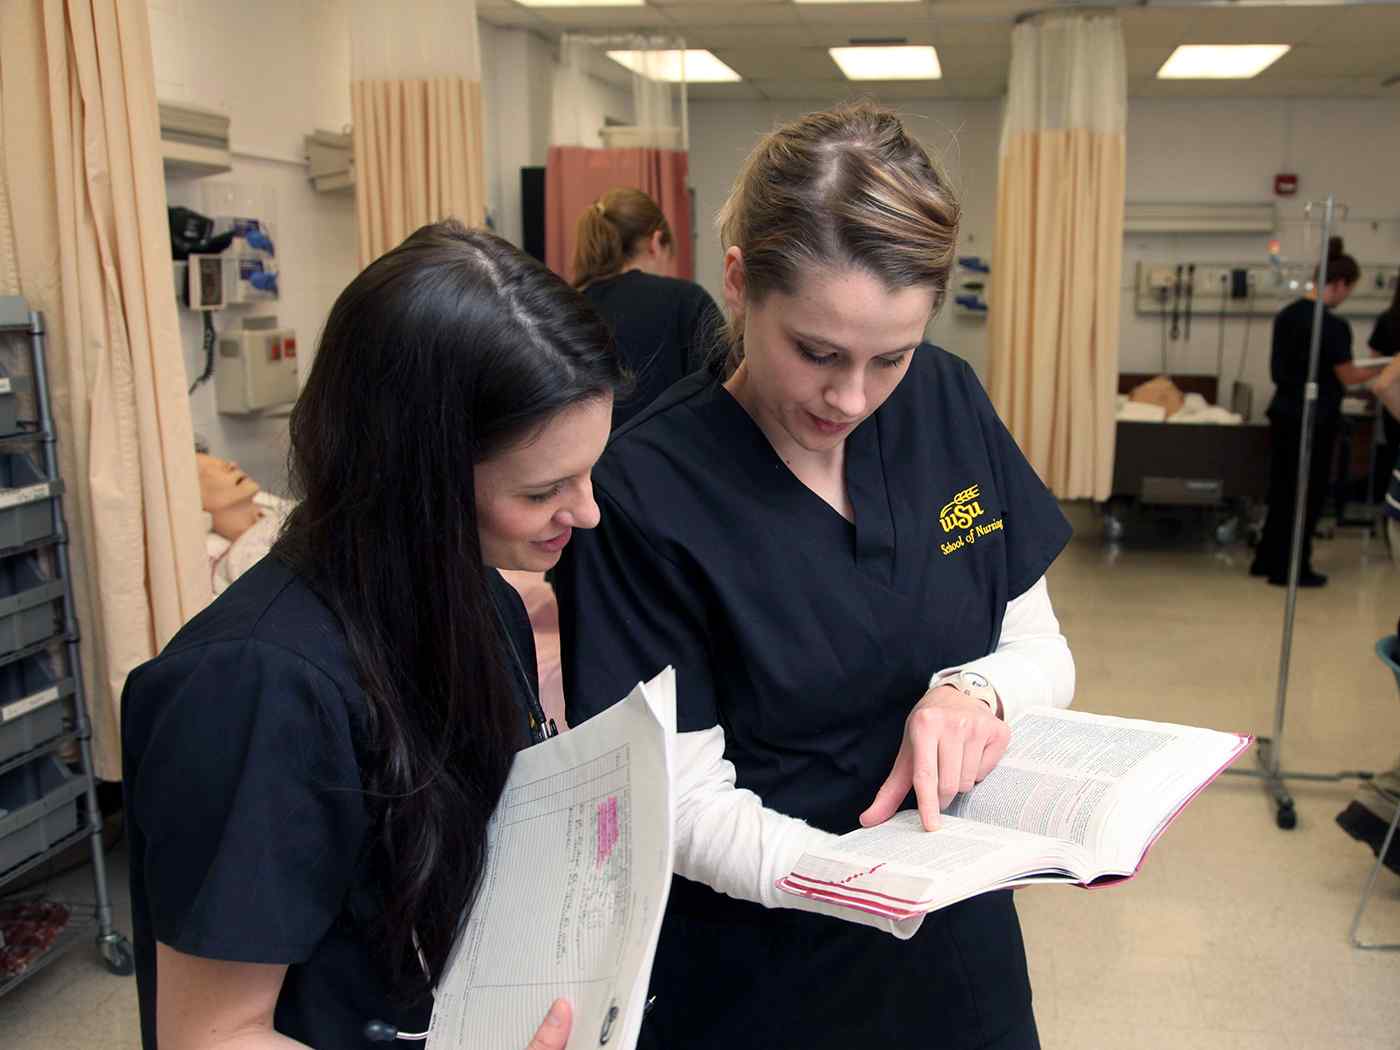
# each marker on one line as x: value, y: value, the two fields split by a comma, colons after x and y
x: 1288, y: 366
x: 312, y: 761
x: 666, y: 328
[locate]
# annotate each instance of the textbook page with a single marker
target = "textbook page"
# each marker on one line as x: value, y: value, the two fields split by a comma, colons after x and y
x: 1076, y: 797
x: 578, y: 871
x: 1066, y: 774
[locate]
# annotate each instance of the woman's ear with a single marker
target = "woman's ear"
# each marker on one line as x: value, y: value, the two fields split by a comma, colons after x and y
x: 659, y: 248
x: 735, y: 284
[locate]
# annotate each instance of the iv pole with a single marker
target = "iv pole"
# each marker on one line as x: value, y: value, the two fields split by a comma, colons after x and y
x: 1268, y: 748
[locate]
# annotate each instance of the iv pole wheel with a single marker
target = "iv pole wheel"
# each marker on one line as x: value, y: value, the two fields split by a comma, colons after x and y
x: 1287, y: 816
x: 117, y: 954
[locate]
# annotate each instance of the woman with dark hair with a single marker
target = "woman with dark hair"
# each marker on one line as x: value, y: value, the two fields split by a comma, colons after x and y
x: 1288, y: 366
x: 666, y: 328
x: 312, y: 761
x: 842, y: 552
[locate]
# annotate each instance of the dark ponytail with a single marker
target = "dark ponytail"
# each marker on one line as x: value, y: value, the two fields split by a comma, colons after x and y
x: 440, y: 354
x: 1340, y: 266
x: 612, y: 230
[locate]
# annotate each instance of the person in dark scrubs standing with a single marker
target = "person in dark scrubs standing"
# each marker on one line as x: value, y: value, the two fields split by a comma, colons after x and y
x: 1288, y: 366
x: 842, y: 551
x: 311, y: 763
x: 666, y: 328
x: 1385, y: 341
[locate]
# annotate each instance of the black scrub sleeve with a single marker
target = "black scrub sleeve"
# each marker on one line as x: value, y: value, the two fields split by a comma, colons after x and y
x: 247, y: 792
x: 626, y: 612
x: 1338, y: 349
x: 1035, y: 527
x: 1383, y: 337
x: 704, y: 332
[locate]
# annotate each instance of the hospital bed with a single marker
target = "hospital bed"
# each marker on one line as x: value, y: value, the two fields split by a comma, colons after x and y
x: 1221, y: 468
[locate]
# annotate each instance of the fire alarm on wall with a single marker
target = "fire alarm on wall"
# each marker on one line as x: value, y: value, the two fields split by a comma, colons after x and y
x: 1285, y: 185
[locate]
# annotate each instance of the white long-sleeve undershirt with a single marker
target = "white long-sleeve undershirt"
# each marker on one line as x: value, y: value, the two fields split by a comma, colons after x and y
x: 727, y: 839
x: 1031, y: 665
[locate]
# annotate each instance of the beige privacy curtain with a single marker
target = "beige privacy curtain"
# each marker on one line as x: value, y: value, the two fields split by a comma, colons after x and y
x: 416, y: 95
x: 91, y: 248
x: 1057, y: 259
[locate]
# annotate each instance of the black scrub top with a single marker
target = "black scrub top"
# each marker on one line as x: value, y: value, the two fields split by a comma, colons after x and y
x: 1385, y: 341
x: 250, y: 838
x: 665, y: 329
x: 809, y: 640
x: 1288, y: 361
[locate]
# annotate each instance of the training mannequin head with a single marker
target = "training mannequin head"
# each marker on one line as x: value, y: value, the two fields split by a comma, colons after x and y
x: 623, y: 230
x: 226, y: 493
x: 839, y: 236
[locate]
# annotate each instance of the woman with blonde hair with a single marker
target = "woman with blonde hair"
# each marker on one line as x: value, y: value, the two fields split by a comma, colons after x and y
x: 666, y: 328
x: 842, y: 552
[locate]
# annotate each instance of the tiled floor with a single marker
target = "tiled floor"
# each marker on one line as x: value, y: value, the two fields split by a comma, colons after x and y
x: 1234, y: 937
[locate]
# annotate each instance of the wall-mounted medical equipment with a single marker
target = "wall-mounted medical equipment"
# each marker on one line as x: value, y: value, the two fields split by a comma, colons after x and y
x: 193, y: 141
x: 1262, y: 289
x: 257, y: 367
x: 330, y: 161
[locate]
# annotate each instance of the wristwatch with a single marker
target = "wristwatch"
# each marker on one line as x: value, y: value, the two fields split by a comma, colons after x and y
x: 972, y: 684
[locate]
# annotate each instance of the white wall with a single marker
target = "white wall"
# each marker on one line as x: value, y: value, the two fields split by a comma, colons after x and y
x: 1195, y: 150
x: 517, y: 85
x: 279, y: 71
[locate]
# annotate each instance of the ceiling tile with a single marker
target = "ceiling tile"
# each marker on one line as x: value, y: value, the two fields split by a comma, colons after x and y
x: 1255, y: 25
x: 841, y: 34
x: 1359, y: 25
x: 723, y: 92
x: 780, y: 63
x: 1379, y: 58
x: 715, y: 37
x: 1145, y: 61
x: 972, y: 34
x: 511, y: 16
x: 1153, y: 27
x: 618, y: 18
x: 974, y: 63
x: 756, y: 12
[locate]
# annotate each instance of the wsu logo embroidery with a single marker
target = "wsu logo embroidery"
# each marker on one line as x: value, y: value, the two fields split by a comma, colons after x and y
x: 960, y: 516
x: 962, y: 510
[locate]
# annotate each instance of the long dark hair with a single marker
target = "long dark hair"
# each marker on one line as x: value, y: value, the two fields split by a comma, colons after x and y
x: 443, y: 352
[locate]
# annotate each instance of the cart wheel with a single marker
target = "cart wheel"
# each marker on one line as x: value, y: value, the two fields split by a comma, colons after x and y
x: 116, y: 953
x: 1227, y: 531
x: 1287, y: 818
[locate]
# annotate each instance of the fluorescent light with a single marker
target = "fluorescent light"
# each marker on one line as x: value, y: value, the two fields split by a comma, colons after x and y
x: 888, y: 63
x: 581, y: 3
x: 701, y: 67
x: 1220, y: 61
x: 855, y: 1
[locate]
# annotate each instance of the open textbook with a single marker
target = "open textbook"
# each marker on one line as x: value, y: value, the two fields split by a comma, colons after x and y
x: 1077, y: 798
x: 578, y: 870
